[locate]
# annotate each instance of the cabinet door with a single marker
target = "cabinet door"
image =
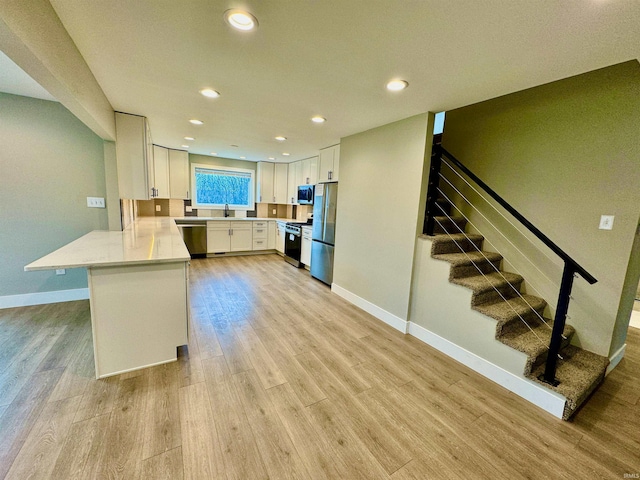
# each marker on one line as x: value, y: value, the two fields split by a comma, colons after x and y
x: 325, y: 164
x: 134, y: 157
x: 271, y: 235
x: 179, y: 174
x: 218, y: 240
x: 336, y: 163
x: 305, y: 248
x: 264, y: 185
x: 280, y: 233
x: 280, y: 182
x: 241, y: 239
x: 313, y: 170
x: 303, y: 172
x: 161, y: 171
x: 292, y: 195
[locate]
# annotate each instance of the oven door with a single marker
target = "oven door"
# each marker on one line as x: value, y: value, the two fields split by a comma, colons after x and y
x: 292, y: 248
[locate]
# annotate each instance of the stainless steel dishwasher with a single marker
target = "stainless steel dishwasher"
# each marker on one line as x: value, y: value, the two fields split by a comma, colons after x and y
x: 195, y: 238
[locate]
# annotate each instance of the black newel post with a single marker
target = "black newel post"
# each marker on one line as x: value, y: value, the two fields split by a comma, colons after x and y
x: 432, y: 190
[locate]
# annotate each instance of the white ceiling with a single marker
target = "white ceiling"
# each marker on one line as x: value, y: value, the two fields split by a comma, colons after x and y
x: 332, y: 58
x: 14, y: 80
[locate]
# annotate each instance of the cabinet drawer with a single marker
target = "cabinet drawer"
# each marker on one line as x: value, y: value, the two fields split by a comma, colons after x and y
x: 259, y: 225
x: 260, y: 232
x: 241, y: 225
x: 259, y: 243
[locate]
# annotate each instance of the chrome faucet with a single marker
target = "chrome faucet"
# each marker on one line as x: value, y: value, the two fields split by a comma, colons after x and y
x: 226, y: 209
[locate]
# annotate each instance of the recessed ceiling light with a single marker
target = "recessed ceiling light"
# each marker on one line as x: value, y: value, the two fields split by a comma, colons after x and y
x: 240, y: 19
x: 272, y: 158
x: 196, y: 122
x: 208, y: 92
x: 185, y: 146
x: 397, y: 85
x: 242, y: 158
x: 286, y: 154
x: 214, y: 153
x: 189, y: 138
x: 280, y: 138
x: 318, y: 119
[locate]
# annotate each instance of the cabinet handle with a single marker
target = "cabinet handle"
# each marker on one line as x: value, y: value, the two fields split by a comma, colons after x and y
x: 187, y: 194
x: 274, y: 199
x: 307, y: 180
x: 330, y: 174
x: 229, y: 232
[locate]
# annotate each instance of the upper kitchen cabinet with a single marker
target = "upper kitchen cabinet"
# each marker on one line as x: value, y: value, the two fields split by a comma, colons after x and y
x: 161, y: 172
x: 179, y: 174
x: 134, y: 157
x: 292, y: 182
x: 308, y: 171
x: 264, y: 183
x: 280, y: 182
x: 329, y: 164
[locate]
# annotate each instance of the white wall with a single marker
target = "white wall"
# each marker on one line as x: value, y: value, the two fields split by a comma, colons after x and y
x: 379, y: 202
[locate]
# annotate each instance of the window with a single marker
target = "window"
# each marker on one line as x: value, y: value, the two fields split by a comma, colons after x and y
x: 215, y: 187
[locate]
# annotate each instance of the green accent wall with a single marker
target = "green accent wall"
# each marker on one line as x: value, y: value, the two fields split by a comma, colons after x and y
x: 49, y: 163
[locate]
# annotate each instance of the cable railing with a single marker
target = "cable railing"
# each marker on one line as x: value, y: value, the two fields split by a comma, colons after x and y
x: 570, y: 270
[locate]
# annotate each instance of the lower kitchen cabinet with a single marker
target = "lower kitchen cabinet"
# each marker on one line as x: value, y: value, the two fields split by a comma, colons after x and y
x: 280, y: 236
x: 305, y: 247
x: 260, y: 234
x: 271, y: 235
x: 225, y: 237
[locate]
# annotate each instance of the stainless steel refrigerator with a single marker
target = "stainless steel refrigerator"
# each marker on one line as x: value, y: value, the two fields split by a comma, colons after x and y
x: 324, y: 231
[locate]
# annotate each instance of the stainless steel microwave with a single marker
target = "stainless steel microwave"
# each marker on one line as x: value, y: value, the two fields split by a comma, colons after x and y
x: 305, y: 194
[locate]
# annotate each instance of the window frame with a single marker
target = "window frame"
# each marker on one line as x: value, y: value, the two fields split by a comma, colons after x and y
x: 222, y: 168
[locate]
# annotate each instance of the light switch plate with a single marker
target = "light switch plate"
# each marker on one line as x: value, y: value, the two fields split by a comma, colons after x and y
x: 95, y: 202
x: 606, y: 222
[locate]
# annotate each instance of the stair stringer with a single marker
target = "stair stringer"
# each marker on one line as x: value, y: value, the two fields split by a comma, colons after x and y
x: 441, y: 316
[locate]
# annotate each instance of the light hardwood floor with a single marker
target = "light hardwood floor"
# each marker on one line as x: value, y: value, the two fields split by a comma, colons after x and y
x: 283, y: 379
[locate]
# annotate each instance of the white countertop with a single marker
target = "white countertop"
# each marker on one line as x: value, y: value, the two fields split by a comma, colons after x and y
x: 147, y: 240
x: 232, y: 219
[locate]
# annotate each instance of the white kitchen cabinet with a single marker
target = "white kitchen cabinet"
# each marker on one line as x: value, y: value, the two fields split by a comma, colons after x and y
x: 280, y: 236
x: 271, y: 235
x: 264, y: 184
x: 230, y: 236
x: 260, y: 235
x: 161, y: 171
x: 308, y: 171
x: 280, y: 182
x: 134, y: 154
x: 329, y: 164
x: 179, y: 174
x: 305, y: 246
x: 292, y: 195
x: 241, y: 238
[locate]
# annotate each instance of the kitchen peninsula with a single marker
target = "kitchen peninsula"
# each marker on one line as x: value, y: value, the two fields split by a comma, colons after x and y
x: 138, y: 292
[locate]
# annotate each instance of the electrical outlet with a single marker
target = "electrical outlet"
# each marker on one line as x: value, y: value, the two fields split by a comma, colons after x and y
x: 274, y: 211
x: 606, y: 222
x: 61, y: 271
x: 188, y: 209
x: 95, y: 202
x: 158, y: 208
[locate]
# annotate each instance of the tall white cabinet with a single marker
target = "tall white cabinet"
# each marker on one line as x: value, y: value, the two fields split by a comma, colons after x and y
x: 161, y: 172
x: 329, y: 164
x: 134, y: 154
x: 264, y: 184
x: 179, y: 174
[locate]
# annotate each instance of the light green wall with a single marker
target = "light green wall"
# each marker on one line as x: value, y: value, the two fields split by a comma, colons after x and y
x: 563, y: 154
x: 49, y: 163
x: 379, y: 200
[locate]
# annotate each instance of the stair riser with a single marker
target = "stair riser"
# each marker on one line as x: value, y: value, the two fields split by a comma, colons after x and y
x: 461, y: 271
x: 449, y: 226
x: 531, y: 317
x: 456, y: 247
x: 506, y: 292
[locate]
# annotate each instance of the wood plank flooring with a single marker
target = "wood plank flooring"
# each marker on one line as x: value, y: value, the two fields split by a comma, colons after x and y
x: 284, y: 380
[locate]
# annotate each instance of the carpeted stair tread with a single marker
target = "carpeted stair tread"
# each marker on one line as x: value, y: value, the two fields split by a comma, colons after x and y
x: 468, y: 258
x: 579, y: 373
x: 455, y: 243
x: 505, y: 312
x: 490, y: 287
x: 534, y: 342
x: 445, y: 224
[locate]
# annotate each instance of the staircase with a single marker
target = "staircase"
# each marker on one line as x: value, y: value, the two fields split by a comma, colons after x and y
x: 520, y: 321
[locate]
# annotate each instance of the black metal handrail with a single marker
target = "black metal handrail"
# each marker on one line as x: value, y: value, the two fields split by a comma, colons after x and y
x: 571, y: 267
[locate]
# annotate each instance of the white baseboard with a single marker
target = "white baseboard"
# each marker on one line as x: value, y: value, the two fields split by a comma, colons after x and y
x: 544, y: 398
x: 381, y: 314
x: 40, y: 298
x: 635, y: 319
x: 614, y: 359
